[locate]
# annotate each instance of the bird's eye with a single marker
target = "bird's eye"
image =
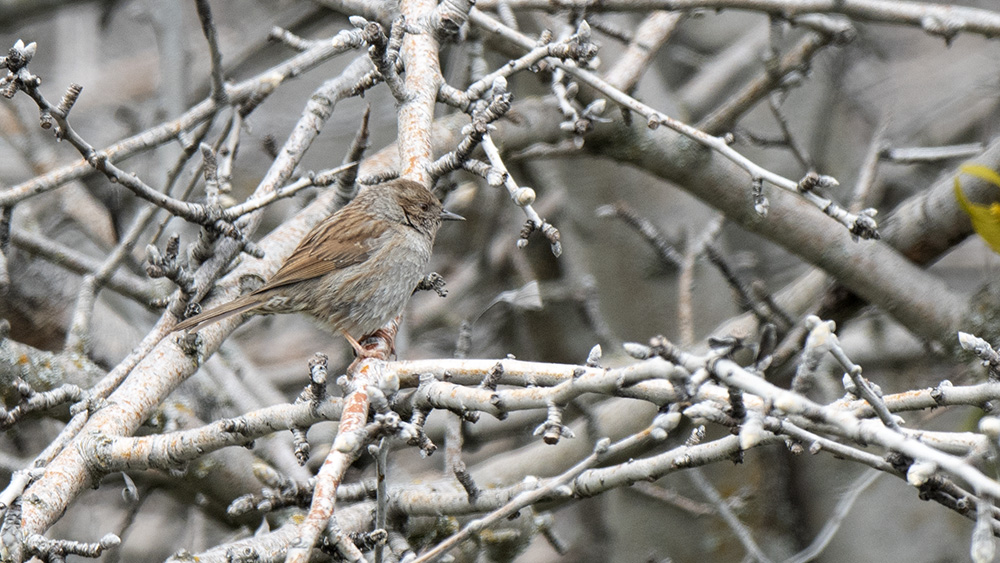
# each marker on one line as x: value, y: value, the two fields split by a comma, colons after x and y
x: 425, y: 206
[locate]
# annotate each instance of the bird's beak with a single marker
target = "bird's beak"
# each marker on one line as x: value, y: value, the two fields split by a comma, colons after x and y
x: 449, y: 216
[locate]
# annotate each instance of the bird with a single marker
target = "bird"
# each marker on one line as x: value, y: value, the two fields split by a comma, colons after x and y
x: 356, y: 269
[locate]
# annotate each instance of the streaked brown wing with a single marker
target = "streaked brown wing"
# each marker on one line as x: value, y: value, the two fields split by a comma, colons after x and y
x: 344, y: 241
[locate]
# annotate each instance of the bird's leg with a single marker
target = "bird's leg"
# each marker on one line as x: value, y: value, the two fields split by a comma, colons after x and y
x: 379, y: 345
x: 358, y: 350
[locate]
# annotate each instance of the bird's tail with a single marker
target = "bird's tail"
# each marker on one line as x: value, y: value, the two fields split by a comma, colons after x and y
x: 234, y: 307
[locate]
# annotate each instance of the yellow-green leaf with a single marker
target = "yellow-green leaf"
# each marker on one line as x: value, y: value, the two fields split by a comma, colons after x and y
x: 981, y: 172
x: 985, y: 218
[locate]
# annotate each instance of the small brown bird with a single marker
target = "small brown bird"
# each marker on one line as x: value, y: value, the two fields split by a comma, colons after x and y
x: 355, y: 270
